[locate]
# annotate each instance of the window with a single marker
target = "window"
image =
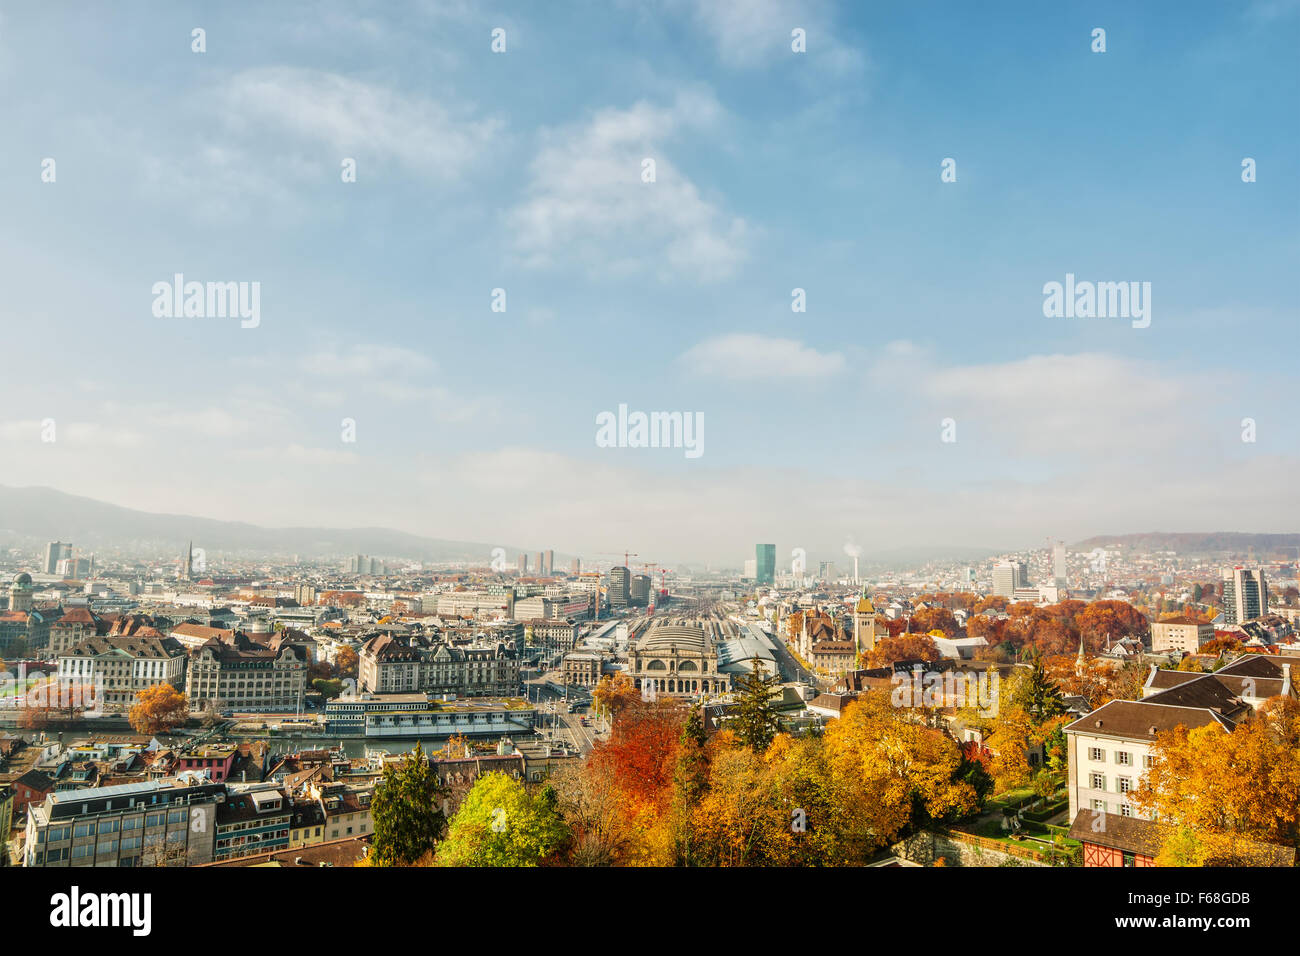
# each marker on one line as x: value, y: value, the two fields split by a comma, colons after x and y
x: 1099, y: 805
x: 1096, y: 753
x: 1125, y: 784
x: 1098, y: 781
x: 107, y: 826
x: 1148, y: 761
x: 1130, y: 860
x: 1123, y: 758
x: 83, y: 829
x: 1125, y: 810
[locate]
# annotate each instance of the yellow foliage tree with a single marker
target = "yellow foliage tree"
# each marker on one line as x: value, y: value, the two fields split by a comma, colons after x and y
x: 158, y: 710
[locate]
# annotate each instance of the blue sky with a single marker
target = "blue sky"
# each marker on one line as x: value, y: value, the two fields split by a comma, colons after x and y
x: 775, y: 170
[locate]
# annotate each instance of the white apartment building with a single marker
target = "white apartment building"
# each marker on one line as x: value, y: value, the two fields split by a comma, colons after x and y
x: 120, y: 667
x: 1111, y: 748
x: 1180, y: 634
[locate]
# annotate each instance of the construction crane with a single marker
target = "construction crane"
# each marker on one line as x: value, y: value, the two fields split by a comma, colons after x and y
x: 614, y: 554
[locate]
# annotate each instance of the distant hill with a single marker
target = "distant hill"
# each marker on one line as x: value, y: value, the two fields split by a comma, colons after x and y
x: 44, y: 514
x: 1198, y: 542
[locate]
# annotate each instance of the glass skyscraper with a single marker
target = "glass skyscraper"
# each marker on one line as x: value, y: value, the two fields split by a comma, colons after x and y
x: 765, y: 563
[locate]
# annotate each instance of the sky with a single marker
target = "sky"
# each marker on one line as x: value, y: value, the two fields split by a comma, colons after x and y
x: 922, y: 398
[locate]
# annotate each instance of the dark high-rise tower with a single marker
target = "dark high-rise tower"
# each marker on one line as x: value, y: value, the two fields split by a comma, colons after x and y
x: 619, y: 586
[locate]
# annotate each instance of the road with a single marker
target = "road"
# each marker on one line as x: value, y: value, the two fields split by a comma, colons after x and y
x: 553, y: 709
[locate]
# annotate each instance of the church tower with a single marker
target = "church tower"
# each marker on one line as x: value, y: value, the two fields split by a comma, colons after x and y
x: 864, y: 624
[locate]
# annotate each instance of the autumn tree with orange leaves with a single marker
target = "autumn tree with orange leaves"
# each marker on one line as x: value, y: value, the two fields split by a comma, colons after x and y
x: 1220, y: 793
x: 158, y: 710
x: 905, y: 647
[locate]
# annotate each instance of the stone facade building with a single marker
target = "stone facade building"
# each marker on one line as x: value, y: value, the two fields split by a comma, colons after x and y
x: 676, y: 659
x: 244, y: 675
x: 389, y: 665
x: 120, y: 667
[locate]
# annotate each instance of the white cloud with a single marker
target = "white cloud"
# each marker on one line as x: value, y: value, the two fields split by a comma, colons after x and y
x: 586, y: 201
x: 1058, y: 405
x: 359, y: 119
x: 742, y: 357
x: 752, y: 33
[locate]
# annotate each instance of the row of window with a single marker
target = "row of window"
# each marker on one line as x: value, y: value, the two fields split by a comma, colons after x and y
x: 1122, y: 784
x: 1122, y: 757
x: 1125, y: 810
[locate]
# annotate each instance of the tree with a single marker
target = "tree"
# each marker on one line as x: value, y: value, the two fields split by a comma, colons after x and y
x: 346, y: 661
x: 614, y: 694
x: 905, y: 647
x: 1242, y: 785
x: 642, y: 750
x: 327, y: 688
x: 690, y: 782
x: 407, y: 811
x: 755, y: 719
x: 456, y: 747
x: 740, y: 820
x: 158, y: 710
x: 1042, y: 698
x: 594, y: 809
x: 889, y: 771
x: 502, y: 824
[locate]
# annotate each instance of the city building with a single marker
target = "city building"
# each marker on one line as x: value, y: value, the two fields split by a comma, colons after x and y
x: 489, y: 603
x: 833, y: 657
x: 150, y: 823
x: 676, y: 659
x: 120, y: 667
x: 1245, y: 594
x: 557, y: 636
x: 639, y: 591
x: 253, y: 820
x: 566, y: 605
x: 1185, y: 634
x: 75, y: 625
x: 1009, y: 577
x: 583, y: 667
x: 241, y: 674
x: 55, y: 552
x: 1110, y: 748
x: 22, y: 592
x: 389, y: 665
x: 619, y: 586
x: 765, y: 564
x: 867, y: 628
